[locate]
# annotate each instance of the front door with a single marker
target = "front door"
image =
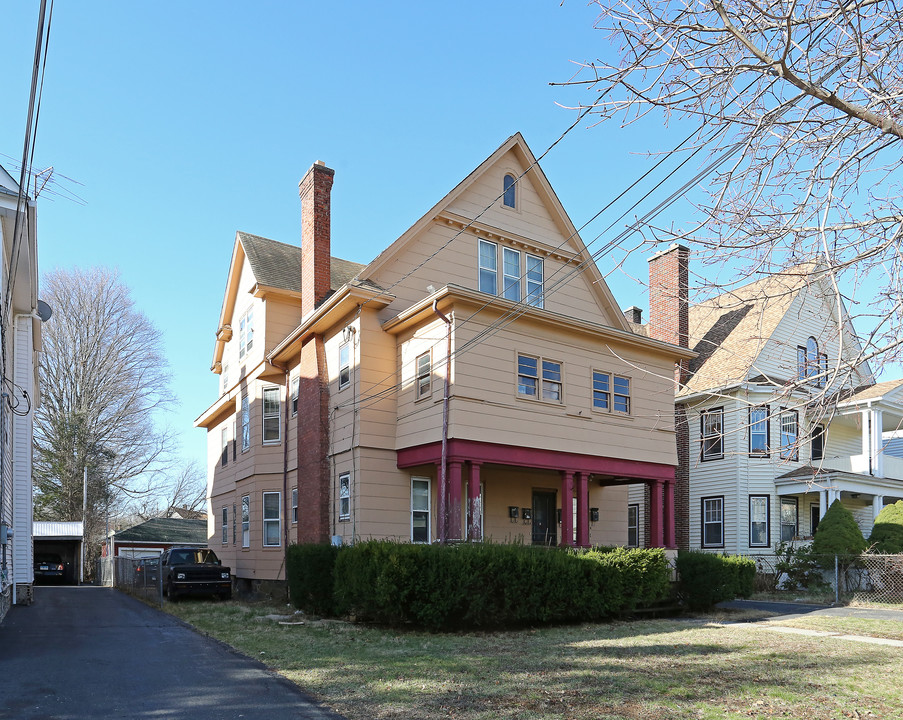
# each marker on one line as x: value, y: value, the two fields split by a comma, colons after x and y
x: 545, y: 522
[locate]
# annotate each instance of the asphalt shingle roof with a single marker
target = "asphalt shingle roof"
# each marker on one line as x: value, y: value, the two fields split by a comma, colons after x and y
x: 167, y: 530
x: 278, y: 265
x: 729, y: 331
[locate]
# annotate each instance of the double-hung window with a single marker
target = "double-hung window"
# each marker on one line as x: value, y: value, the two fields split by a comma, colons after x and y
x: 534, y: 280
x: 759, y: 535
x: 538, y: 375
x: 789, y: 435
x: 812, y: 365
x: 271, y: 415
x: 296, y: 391
x: 789, y: 518
x: 621, y: 394
x: 713, y: 522
x: 818, y: 442
x: 345, y: 496
x: 420, y: 510
x: 611, y: 392
x: 245, y: 423
x: 758, y: 431
x: 246, y: 333
x: 344, y: 365
x: 633, y: 526
x: 424, y: 375
x: 224, y: 454
x: 294, y: 505
x: 225, y: 526
x: 511, y: 274
x: 489, y: 276
x: 246, y: 521
x: 271, y: 519
x: 712, y: 432
x: 601, y: 391
x: 224, y: 377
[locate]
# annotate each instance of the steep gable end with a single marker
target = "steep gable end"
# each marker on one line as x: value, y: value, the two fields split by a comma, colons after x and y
x: 443, y: 247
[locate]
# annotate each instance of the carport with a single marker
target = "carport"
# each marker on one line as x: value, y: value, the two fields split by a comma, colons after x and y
x: 64, y: 539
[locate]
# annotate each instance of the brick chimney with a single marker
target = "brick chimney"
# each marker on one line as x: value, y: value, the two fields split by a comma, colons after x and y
x: 634, y: 315
x: 669, y: 320
x: 669, y: 295
x: 315, y: 190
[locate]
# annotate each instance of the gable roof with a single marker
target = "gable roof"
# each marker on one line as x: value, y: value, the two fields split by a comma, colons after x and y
x: 729, y: 331
x: 543, y: 188
x: 166, y: 530
x: 278, y: 265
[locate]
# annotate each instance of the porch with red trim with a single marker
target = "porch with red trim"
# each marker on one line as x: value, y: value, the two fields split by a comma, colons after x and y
x: 577, y: 472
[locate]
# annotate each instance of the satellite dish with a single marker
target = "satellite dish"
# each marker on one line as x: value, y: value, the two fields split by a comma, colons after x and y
x: 44, y: 311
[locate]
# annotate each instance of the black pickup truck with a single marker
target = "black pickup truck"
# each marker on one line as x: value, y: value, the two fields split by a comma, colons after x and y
x: 194, y: 571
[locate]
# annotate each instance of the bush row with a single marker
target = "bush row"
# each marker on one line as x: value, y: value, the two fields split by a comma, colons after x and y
x: 474, y: 586
x: 706, y: 579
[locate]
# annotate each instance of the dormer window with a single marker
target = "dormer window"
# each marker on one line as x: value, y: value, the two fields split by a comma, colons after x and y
x: 509, y: 185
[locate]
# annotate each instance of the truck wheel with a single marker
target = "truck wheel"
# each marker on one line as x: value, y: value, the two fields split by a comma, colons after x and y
x: 171, y: 592
x: 225, y: 595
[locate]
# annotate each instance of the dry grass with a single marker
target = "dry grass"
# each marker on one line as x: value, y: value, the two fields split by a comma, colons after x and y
x: 646, y: 669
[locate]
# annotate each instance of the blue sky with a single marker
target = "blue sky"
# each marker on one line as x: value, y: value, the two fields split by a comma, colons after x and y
x: 180, y: 123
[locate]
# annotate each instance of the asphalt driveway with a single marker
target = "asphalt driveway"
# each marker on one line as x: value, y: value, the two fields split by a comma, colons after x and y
x: 91, y: 652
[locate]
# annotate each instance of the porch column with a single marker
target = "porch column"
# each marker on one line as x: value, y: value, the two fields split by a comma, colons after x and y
x: 567, y: 508
x: 441, y: 503
x: 822, y: 503
x: 877, y: 506
x: 670, y: 539
x: 474, y: 505
x: 656, y: 534
x: 583, y: 509
x: 877, y: 443
x: 454, y: 500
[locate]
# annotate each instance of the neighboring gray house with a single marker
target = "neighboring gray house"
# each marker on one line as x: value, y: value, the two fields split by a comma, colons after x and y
x: 152, y: 537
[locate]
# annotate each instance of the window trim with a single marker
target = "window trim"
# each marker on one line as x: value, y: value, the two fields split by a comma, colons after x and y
x: 296, y: 392
x: 294, y: 509
x: 225, y: 529
x: 344, y: 497
x: 245, y: 521
x: 421, y: 376
x: 276, y: 414
x: 791, y: 450
x: 246, y: 333
x: 344, y: 365
x: 786, y: 500
x: 428, y: 511
x: 532, y: 297
x: 635, y: 509
x: 508, y: 280
x: 750, y: 431
x: 767, y: 499
x: 245, y: 423
x: 704, y: 523
x: 494, y: 271
x: 269, y: 521
x: 819, y: 431
x: 509, y: 191
x: 704, y: 437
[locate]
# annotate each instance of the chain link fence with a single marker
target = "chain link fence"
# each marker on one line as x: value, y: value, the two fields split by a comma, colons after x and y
x: 867, y: 578
x: 140, y: 577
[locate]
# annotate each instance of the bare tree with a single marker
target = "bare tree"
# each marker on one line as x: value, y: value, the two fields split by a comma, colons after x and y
x: 796, y: 107
x: 103, y: 378
x: 184, y: 490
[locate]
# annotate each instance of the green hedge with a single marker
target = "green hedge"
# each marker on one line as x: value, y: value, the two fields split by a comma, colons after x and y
x: 310, y: 577
x: 481, y: 585
x: 705, y: 579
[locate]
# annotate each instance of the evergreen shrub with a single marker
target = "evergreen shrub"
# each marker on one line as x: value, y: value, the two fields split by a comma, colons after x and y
x: 837, y: 534
x: 309, y: 572
x: 887, y: 535
x: 705, y: 579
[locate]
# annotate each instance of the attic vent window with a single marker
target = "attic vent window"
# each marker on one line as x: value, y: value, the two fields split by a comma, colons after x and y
x: 509, y: 186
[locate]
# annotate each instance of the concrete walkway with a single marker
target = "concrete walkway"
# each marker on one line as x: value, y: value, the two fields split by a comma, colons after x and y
x: 92, y: 652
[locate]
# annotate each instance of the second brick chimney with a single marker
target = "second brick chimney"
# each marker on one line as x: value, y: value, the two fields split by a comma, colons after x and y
x: 315, y: 190
x: 669, y: 295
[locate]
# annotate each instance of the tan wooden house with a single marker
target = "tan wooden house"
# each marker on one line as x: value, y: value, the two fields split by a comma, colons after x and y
x: 476, y: 381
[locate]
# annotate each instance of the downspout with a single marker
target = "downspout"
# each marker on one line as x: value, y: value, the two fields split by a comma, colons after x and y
x: 443, y: 471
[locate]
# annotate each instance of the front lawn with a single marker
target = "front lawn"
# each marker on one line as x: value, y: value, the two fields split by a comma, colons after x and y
x: 652, y: 669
